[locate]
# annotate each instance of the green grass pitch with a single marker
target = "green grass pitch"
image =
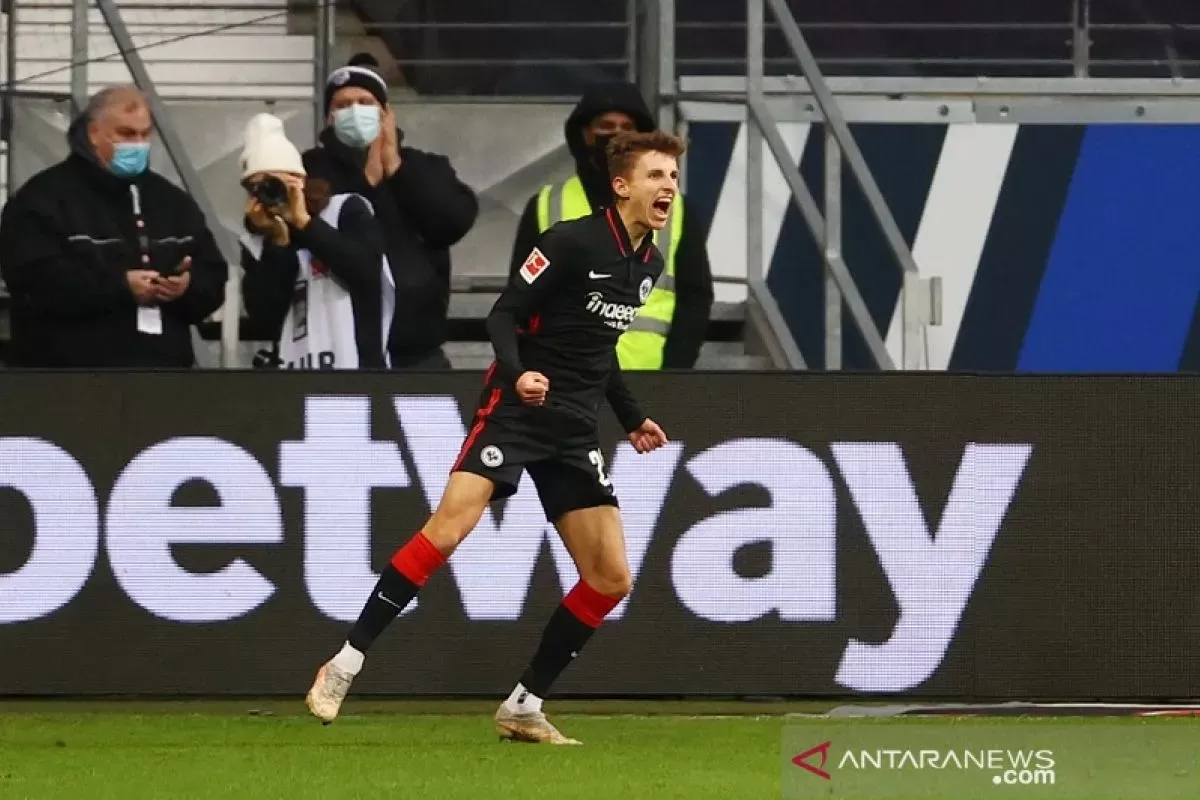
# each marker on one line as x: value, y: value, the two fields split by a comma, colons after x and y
x: 439, y: 750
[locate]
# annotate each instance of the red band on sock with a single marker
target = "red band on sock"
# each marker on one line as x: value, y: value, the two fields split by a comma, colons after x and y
x: 589, y: 606
x: 418, y: 559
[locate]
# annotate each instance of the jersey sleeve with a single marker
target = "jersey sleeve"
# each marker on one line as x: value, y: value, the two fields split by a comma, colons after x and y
x: 623, y: 404
x: 546, y: 270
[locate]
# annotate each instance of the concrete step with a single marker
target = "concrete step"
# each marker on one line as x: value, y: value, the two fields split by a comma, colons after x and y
x: 467, y: 302
x: 458, y: 361
x: 713, y: 355
x: 730, y: 355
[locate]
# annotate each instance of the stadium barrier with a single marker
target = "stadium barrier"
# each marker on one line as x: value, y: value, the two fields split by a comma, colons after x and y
x: 804, y: 534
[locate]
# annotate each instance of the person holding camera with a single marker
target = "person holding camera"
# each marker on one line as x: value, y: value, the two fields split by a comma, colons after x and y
x: 422, y: 206
x: 108, y: 263
x: 315, y: 274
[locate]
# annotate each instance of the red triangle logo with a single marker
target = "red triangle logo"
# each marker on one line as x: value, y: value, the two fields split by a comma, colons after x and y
x: 802, y: 760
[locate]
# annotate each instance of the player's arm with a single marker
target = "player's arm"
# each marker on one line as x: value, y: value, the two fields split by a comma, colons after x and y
x: 644, y: 433
x: 546, y: 268
x: 626, y: 408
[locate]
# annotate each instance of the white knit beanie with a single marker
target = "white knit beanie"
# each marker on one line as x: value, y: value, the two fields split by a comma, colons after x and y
x: 266, y: 148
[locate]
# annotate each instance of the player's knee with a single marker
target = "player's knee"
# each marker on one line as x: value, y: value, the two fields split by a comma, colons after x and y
x: 459, y: 511
x: 614, y: 582
x: 449, y: 526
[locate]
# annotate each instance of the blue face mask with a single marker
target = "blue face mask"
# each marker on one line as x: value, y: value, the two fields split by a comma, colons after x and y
x: 129, y: 159
x: 356, y: 126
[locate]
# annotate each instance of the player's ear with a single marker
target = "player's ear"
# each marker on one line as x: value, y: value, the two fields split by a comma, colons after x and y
x: 620, y: 187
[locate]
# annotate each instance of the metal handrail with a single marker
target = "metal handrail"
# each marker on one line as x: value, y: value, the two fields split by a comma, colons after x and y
x: 1070, y: 28
x: 731, y: 89
x: 883, y: 61
x: 176, y: 6
x: 952, y: 26
x: 498, y: 25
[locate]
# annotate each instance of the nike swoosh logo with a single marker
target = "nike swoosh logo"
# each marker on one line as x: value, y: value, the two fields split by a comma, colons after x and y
x: 389, y: 602
x: 596, y: 276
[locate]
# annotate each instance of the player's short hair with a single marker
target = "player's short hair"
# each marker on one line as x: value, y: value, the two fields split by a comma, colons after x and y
x: 625, y: 149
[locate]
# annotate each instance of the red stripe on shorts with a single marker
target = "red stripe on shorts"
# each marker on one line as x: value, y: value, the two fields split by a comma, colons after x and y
x: 480, y: 421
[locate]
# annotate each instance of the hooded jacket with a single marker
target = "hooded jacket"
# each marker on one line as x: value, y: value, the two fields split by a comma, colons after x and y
x: 67, y: 238
x: 693, y: 274
x: 422, y: 210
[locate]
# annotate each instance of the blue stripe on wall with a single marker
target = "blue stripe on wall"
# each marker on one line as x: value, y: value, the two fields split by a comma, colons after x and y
x: 1123, y: 276
x: 1018, y: 246
x: 1190, y: 360
x: 903, y: 159
x: 710, y: 149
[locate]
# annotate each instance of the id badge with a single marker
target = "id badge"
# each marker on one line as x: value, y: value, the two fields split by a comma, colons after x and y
x: 300, y: 311
x: 149, y: 320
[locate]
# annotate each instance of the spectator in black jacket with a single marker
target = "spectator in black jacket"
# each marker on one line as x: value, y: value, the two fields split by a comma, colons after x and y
x: 315, y: 276
x: 421, y: 205
x: 108, y: 263
x: 602, y: 113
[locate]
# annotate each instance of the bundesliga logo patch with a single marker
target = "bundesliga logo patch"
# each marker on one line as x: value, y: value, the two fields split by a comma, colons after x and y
x: 534, y: 265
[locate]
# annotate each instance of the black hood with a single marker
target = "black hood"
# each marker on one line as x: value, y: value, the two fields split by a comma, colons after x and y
x: 600, y: 99
x: 77, y: 139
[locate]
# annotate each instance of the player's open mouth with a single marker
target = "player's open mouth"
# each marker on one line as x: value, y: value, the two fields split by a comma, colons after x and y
x: 662, y: 206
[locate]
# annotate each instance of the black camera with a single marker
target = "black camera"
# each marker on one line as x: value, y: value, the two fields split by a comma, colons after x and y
x: 270, y: 191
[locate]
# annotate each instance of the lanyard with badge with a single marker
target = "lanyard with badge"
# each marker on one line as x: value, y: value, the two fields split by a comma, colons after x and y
x: 149, y: 318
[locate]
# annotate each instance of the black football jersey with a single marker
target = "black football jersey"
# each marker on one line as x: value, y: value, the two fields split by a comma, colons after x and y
x: 579, y: 289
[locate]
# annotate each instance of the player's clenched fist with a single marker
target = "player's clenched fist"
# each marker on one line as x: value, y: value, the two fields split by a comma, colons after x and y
x: 532, y: 388
x: 648, y: 436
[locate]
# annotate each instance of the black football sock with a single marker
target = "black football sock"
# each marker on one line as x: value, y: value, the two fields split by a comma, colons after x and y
x: 398, y: 584
x: 569, y: 629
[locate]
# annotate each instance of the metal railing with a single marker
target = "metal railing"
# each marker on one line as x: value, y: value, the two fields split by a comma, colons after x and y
x: 70, y: 48
x: 492, y: 51
x: 763, y: 313
x: 69, y: 41
x: 761, y: 101
x: 72, y: 57
x: 653, y: 42
x: 1048, y: 38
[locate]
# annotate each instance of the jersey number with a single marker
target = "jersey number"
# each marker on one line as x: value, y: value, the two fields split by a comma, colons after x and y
x: 597, y: 460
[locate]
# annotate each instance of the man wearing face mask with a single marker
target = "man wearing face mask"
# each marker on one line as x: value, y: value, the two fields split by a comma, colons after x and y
x: 109, y: 264
x: 674, y: 322
x: 419, y: 202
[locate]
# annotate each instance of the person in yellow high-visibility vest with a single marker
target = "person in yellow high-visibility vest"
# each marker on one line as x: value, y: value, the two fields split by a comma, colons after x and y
x: 673, y: 324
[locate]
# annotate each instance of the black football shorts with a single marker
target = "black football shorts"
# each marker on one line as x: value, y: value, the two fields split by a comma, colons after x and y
x: 567, y: 466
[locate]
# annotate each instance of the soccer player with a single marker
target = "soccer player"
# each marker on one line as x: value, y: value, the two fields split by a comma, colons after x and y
x: 554, y: 331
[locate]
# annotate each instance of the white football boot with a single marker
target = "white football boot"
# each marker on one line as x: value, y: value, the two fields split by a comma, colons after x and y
x: 328, y: 691
x: 531, y: 727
